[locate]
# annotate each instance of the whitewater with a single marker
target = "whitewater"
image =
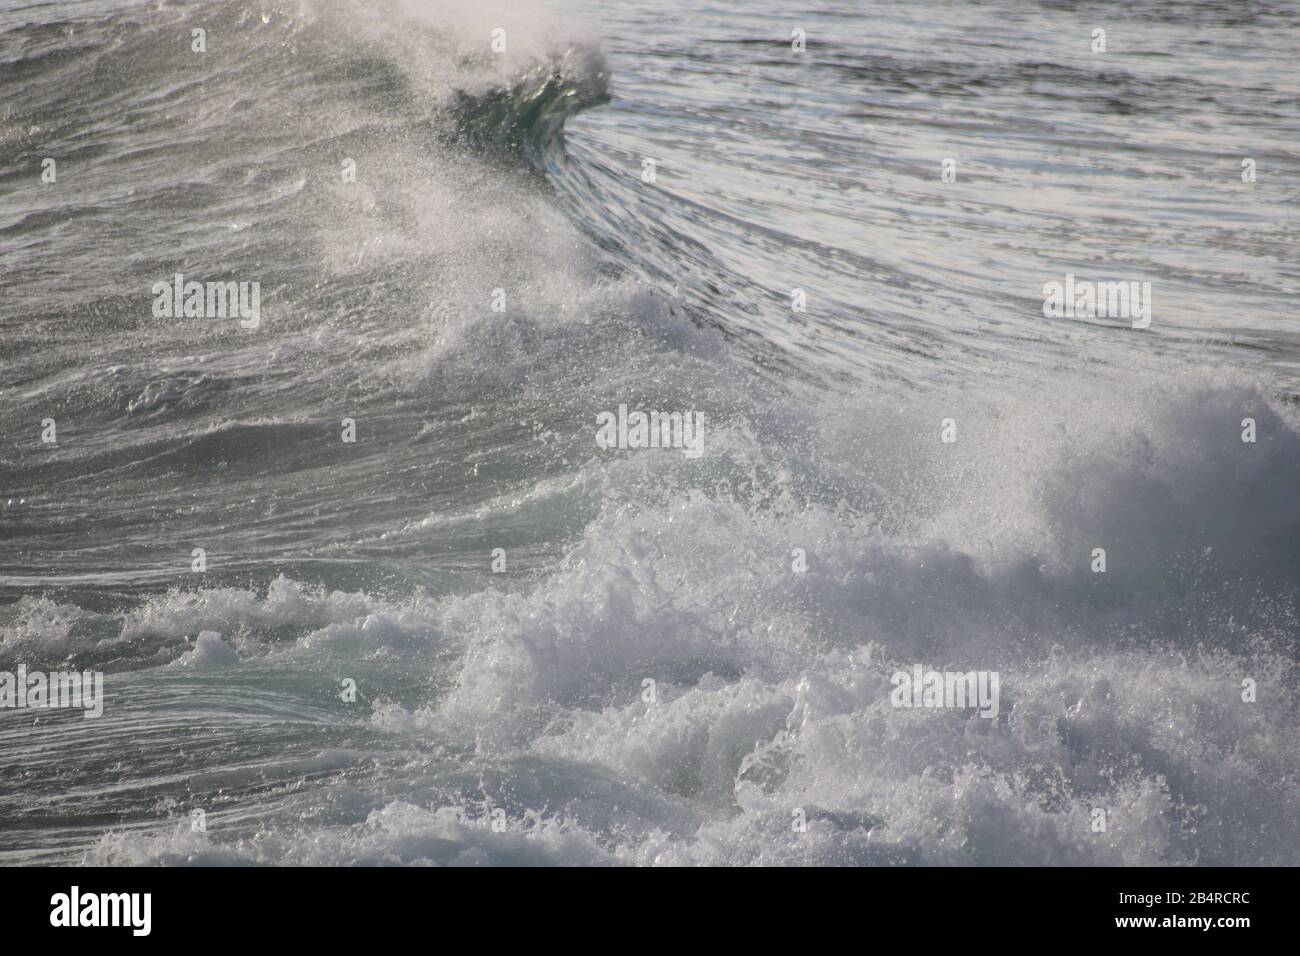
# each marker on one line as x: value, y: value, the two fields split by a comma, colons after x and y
x: 367, y: 587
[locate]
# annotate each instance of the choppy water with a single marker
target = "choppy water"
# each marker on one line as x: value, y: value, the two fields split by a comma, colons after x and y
x: 523, y: 691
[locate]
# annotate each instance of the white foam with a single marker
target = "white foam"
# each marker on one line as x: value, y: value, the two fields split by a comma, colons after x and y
x: 209, y: 651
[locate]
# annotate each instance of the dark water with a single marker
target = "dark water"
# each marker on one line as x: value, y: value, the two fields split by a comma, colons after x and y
x: 519, y: 695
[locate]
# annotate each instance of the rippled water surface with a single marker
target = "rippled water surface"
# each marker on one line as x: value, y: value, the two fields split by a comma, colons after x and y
x: 610, y: 652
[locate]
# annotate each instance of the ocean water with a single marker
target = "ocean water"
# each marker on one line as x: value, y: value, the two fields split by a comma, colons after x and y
x: 570, y: 654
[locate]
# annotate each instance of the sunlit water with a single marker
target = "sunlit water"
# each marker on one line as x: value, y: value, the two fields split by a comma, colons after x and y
x: 521, y: 695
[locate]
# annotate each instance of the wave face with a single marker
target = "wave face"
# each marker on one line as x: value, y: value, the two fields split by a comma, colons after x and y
x: 565, y: 654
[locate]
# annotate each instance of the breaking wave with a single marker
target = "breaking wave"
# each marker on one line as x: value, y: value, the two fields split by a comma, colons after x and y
x: 677, y: 660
